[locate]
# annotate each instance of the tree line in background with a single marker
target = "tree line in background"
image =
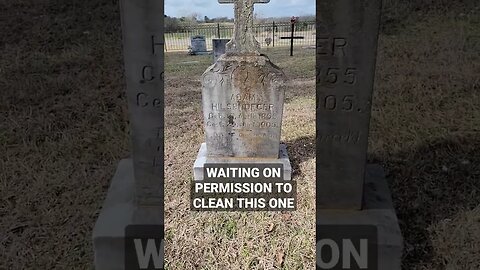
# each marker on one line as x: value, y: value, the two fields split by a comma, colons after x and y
x: 174, y: 24
x: 395, y: 13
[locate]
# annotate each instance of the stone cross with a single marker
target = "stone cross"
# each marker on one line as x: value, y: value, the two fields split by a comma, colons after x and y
x: 293, y: 21
x: 243, y: 41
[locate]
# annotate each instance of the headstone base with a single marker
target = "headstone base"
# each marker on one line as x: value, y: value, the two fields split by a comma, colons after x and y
x: 202, y: 159
x: 378, y: 211
x: 118, y: 212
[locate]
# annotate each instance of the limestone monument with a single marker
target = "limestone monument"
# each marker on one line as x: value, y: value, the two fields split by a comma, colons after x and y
x: 136, y: 193
x: 348, y: 191
x: 242, y: 98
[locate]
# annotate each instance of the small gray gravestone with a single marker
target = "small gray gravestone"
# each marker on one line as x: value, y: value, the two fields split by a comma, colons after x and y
x: 198, y: 45
x: 347, y: 32
x: 219, y: 47
x: 242, y: 98
x: 136, y: 195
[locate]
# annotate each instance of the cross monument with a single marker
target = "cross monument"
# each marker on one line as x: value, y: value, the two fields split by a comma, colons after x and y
x: 242, y: 99
x: 293, y: 21
x: 243, y: 40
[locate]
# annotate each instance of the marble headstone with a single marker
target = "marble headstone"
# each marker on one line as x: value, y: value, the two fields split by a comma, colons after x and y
x: 242, y: 97
x: 242, y: 101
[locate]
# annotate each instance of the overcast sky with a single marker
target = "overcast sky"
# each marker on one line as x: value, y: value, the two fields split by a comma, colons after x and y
x: 212, y: 9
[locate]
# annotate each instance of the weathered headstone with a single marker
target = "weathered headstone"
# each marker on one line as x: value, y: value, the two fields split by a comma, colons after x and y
x: 198, y: 45
x: 219, y: 45
x: 347, y: 32
x: 242, y: 98
x: 136, y: 192
x: 346, y: 52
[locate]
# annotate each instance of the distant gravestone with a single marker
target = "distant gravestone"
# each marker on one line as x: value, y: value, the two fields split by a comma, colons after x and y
x: 198, y: 45
x: 219, y: 45
x: 242, y: 98
x: 350, y: 193
x: 135, y: 196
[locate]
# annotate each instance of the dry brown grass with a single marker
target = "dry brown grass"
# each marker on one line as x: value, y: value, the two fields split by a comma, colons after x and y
x: 238, y: 240
x: 425, y: 126
x: 63, y: 129
x: 457, y: 241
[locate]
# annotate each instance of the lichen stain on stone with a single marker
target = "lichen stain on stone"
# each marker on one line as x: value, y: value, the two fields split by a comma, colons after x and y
x: 230, y: 120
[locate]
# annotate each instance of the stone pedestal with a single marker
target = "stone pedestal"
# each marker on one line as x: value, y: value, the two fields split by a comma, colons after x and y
x: 118, y: 212
x: 202, y: 159
x: 378, y: 211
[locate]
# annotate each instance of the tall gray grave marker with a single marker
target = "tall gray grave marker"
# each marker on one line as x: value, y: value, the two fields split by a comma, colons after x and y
x: 242, y: 98
x: 348, y: 191
x: 136, y: 192
x: 346, y: 52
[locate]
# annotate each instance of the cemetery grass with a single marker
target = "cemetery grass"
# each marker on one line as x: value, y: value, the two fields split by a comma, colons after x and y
x: 238, y: 240
x: 64, y: 127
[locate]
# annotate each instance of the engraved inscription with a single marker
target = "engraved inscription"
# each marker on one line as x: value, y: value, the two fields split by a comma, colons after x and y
x: 242, y: 107
x: 143, y: 71
x: 334, y: 75
x: 155, y: 44
x: 242, y: 102
x: 246, y: 97
x: 346, y: 51
x: 350, y: 137
x: 238, y: 115
x: 147, y: 74
x: 144, y: 100
x: 331, y: 46
x: 231, y: 117
x: 345, y: 103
